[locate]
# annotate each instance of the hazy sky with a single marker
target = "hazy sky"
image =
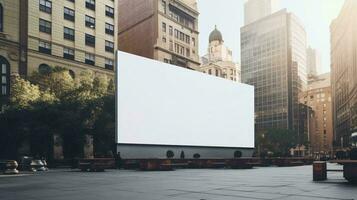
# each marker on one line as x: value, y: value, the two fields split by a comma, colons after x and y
x: 228, y: 15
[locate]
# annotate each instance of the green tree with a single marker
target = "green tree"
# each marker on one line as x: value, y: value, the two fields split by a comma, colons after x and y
x: 23, y: 93
x: 278, y: 141
x: 52, y: 102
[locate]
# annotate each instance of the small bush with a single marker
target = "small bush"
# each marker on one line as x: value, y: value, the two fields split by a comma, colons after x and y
x: 170, y: 154
x: 196, y: 156
x: 237, y: 154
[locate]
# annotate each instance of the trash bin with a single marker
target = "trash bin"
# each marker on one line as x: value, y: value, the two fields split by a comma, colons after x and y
x: 319, y: 171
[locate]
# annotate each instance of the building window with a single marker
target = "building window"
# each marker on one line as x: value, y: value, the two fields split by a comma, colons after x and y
x: 163, y: 27
x: 210, y: 71
x: 109, y: 64
x: 44, y: 69
x: 45, y: 26
x: 163, y: 39
x: 90, y: 40
x: 68, y: 14
x: 188, y: 51
x: 68, y: 53
x: 89, y: 59
x: 109, y: 29
x: 68, y: 33
x: 72, y: 74
x: 177, y: 48
x: 163, y: 4
x: 109, y: 46
x: 90, y: 22
x: 90, y: 4
x: 44, y: 47
x: 46, y: 6
x: 193, y: 41
x: 1, y: 18
x: 5, y: 76
x: 72, y: 1
x: 170, y: 30
x: 182, y: 50
x: 109, y: 11
x: 182, y: 36
x: 171, y: 45
x: 187, y: 39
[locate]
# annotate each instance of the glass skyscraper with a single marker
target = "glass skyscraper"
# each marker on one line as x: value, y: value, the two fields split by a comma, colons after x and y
x: 273, y: 56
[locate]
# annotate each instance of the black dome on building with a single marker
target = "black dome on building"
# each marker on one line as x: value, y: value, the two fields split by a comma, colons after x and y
x: 215, y: 35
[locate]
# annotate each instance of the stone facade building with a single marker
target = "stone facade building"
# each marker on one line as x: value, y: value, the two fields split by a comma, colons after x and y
x: 38, y: 34
x: 164, y: 30
x: 9, y: 44
x: 77, y: 35
x: 318, y: 97
x: 218, y: 61
x: 74, y: 34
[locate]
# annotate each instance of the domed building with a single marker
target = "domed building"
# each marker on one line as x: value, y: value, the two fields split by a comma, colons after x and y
x: 219, y: 61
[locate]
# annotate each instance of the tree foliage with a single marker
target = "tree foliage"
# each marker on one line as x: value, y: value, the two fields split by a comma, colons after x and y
x: 277, y: 141
x: 52, y: 102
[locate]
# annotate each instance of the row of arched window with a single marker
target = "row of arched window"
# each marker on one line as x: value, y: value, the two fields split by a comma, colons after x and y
x: 4, y: 64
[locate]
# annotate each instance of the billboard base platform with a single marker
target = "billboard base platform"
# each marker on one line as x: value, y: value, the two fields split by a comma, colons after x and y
x: 172, y: 164
x: 141, y: 151
x: 167, y: 164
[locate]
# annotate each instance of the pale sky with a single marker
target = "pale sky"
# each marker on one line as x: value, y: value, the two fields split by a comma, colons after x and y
x: 228, y: 15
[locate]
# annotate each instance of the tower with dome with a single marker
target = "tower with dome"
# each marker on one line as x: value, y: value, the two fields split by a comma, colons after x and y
x: 219, y: 61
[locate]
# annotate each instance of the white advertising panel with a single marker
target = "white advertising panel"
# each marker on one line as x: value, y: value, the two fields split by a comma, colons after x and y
x: 162, y: 104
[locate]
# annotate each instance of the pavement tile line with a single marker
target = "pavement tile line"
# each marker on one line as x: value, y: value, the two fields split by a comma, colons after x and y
x: 215, y: 194
x: 289, y: 195
x: 256, y: 184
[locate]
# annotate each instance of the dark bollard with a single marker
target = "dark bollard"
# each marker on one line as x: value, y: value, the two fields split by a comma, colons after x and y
x: 319, y: 171
x: 11, y: 167
x: 353, y: 154
x: 350, y: 172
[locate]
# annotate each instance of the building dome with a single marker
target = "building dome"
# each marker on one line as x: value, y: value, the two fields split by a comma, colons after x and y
x: 215, y: 35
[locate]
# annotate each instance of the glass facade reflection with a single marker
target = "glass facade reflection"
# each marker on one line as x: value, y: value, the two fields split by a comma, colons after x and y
x: 273, y: 55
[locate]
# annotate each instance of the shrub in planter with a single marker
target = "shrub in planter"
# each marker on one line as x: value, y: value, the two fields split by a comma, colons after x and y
x: 170, y: 154
x: 196, y: 156
x: 237, y: 154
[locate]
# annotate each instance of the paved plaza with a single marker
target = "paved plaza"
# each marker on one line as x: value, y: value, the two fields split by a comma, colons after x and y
x: 184, y: 184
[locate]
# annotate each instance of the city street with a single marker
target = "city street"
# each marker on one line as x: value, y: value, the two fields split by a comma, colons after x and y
x: 185, y: 184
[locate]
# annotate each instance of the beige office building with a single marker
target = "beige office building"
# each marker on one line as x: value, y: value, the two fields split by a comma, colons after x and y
x: 74, y: 34
x: 219, y: 61
x: 78, y: 34
x: 164, y: 30
x: 343, y: 74
x: 318, y: 97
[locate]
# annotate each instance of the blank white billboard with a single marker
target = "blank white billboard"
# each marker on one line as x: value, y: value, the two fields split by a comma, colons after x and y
x: 162, y: 104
